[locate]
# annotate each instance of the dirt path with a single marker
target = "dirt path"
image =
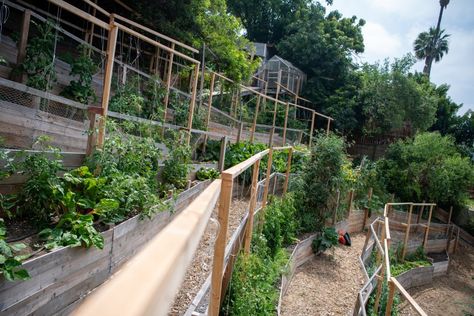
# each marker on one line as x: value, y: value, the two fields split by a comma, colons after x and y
x: 327, y: 284
x: 452, y: 294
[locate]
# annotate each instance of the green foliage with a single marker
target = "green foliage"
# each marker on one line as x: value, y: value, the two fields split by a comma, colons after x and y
x: 212, y: 153
x: 280, y: 224
x: 238, y: 152
x: 207, y: 173
x: 128, y: 98
x: 39, y: 61
x: 327, y: 239
x: 253, y: 289
x: 181, y: 113
x: 177, y: 165
x: 428, y: 168
x: 9, y: 263
x: 39, y: 198
x: 83, y: 67
x: 321, y: 178
x: 72, y: 230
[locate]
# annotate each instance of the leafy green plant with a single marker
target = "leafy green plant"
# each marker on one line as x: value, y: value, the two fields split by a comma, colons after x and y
x: 39, y: 61
x: 39, y: 198
x: 207, y: 173
x: 9, y: 263
x: 326, y: 240
x: 83, y: 67
x: 280, y: 224
x: 177, y: 164
x: 72, y: 230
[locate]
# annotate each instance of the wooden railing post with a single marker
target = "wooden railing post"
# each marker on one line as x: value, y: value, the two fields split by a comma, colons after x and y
x: 22, y: 43
x: 239, y: 132
x: 366, y: 209
x: 267, y: 182
x: 288, y: 170
x: 253, y: 203
x: 407, y: 233
x: 254, y: 125
x: 221, y: 163
x: 286, y: 122
x: 311, y: 130
x: 328, y: 127
x: 219, y: 248
x: 209, y: 109
x: 391, y: 295
x: 427, y: 231
x: 192, y: 103
x: 168, y: 83
x: 111, y: 43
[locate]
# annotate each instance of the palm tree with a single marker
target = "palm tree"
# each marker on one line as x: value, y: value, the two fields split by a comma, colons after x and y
x: 431, y: 46
x: 423, y: 48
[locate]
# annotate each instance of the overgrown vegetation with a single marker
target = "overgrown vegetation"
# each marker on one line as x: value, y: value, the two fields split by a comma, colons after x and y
x: 10, y: 265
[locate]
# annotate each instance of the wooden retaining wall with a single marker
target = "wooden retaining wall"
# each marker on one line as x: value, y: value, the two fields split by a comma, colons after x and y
x: 416, y: 277
x: 61, y: 278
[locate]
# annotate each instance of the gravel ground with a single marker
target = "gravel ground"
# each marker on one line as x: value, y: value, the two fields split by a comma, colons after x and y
x: 202, y: 263
x: 328, y: 284
x: 452, y: 294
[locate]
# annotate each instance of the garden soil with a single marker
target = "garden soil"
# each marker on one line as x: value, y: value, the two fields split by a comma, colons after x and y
x: 327, y: 284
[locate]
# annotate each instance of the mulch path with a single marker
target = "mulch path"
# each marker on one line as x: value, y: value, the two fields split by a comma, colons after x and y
x: 328, y: 284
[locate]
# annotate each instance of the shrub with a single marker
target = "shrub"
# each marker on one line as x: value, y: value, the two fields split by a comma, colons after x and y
x: 177, y: 165
x: 207, y: 173
x: 428, y: 167
x: 327, y: 239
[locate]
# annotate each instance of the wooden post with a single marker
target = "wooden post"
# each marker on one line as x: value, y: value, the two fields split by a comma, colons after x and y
x: 91, y: 136
x: 253, y: 203
x: 288, y: 170
x: 300, y: 137
x: 219, y: 247
x: 286, y: 122
x: 168, y: 83
x: 449, y: 219
x: 209, y: 109
x: 427, y: 231
x: 349, y: 201
x: 329, y: 125
x: 450, y: 237
x: 239, y: 132
x: 203, y: 70
x: 311, y: 130
x: 222, y: 154
x: 407, y: 233
x: 254, y: 126
x: 366, y: 209
x: 391, y: 295
x: 334, y: 215
x: 267, y: 181
x: 22, y: 43
x: 389, y: 210
x: 457, y: 240
x: 192, y: 103
x: 379, y: 258
x: 109, y: 67
x: 272, y: 132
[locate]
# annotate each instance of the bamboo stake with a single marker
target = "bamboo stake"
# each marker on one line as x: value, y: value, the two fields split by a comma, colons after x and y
x: 192, y: 103
x: 311, y: 130
x: 111, y: 43
x: 288, y: 170
x: 219, y: 248
x: 286, y: 122
x: 254, y: 126
x: 168, y: 83
x: 427, y: 231
x: 407, y: 233
x: 253, y: 203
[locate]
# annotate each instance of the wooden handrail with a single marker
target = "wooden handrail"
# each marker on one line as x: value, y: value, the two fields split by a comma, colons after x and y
x: 408, y: 297
x: 147, y: 284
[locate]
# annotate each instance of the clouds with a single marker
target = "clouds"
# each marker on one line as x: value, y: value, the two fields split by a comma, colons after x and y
x: 393, y: 25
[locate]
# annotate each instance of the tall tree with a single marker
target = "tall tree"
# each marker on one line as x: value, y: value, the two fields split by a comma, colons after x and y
x: 432, y: 45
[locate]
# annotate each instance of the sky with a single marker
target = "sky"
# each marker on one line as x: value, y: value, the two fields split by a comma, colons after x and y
x: 393, y: 25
